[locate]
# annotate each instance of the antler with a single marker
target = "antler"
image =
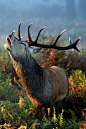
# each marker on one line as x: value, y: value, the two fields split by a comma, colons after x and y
x: 29, y: 37
x: 19, y: 37
x: 53, y: 45
x: 39, y: 33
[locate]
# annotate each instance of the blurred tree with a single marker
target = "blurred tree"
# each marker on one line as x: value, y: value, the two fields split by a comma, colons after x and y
x: 70, y: 9
x: 82, y: 8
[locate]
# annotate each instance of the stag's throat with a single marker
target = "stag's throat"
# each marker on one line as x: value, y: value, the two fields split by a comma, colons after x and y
x: 27, y: 69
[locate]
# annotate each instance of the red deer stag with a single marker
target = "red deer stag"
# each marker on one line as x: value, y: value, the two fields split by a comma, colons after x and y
x: 44, y: 86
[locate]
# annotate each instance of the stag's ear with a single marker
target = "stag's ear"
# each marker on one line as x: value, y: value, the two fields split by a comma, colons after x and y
x: 33, y: 50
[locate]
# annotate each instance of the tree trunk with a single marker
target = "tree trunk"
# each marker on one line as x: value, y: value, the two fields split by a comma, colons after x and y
x: 70, y: 9
x: 82, y: 8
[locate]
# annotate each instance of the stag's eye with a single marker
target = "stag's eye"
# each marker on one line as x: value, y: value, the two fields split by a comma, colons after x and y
x: 23, y: 44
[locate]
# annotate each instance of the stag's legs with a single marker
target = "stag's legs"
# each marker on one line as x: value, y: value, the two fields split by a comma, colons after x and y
x: 44, y: 112
x: 41, y: 112
x: 50, y: 110
x: 38, y: 113
x: 59, y: 106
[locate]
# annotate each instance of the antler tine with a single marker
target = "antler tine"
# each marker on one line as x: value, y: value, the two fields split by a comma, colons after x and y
x: 54, y: 43
x: 13, y: 32
x: 76, y: 42
x: 39, y: 33
x: 29, y: 37
x: 70, y: 41
x: 19, y: 37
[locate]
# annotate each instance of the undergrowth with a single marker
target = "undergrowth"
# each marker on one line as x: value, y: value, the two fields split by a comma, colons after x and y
x: 11, y: 113
x: 6, y: 88
x: 77, y: 82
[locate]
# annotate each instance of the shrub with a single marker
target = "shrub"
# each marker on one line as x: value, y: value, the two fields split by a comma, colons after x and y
x: 6, y: 88
x: 77, y: 82
x: 11, y: 112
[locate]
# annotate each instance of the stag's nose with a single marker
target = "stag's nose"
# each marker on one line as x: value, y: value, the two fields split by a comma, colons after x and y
x: 10, y: 36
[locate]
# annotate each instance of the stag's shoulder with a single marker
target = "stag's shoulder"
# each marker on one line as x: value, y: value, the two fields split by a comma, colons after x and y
x: 55, y: 70
x: 59, y: 70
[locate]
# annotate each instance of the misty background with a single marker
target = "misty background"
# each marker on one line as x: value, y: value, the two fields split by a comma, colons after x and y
x: 56, y: 15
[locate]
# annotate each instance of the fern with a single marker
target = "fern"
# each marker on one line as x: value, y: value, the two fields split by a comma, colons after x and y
x: 60, y: 118
x: 54, y: 119
x: 73, y: 123
x: 77, y: 82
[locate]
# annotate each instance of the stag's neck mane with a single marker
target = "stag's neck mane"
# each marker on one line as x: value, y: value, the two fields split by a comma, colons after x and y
x: 26, y: 63
x: 29, y: 72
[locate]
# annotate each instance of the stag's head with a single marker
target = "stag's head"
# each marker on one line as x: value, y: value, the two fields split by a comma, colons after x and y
x: 17, y: 47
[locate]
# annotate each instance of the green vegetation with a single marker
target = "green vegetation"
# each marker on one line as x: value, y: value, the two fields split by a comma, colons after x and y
x: 77, y: 81
x: 11, y: 112
x: 6, y: 88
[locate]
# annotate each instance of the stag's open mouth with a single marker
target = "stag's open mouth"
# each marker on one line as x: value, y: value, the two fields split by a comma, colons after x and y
x: 9, y: 41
